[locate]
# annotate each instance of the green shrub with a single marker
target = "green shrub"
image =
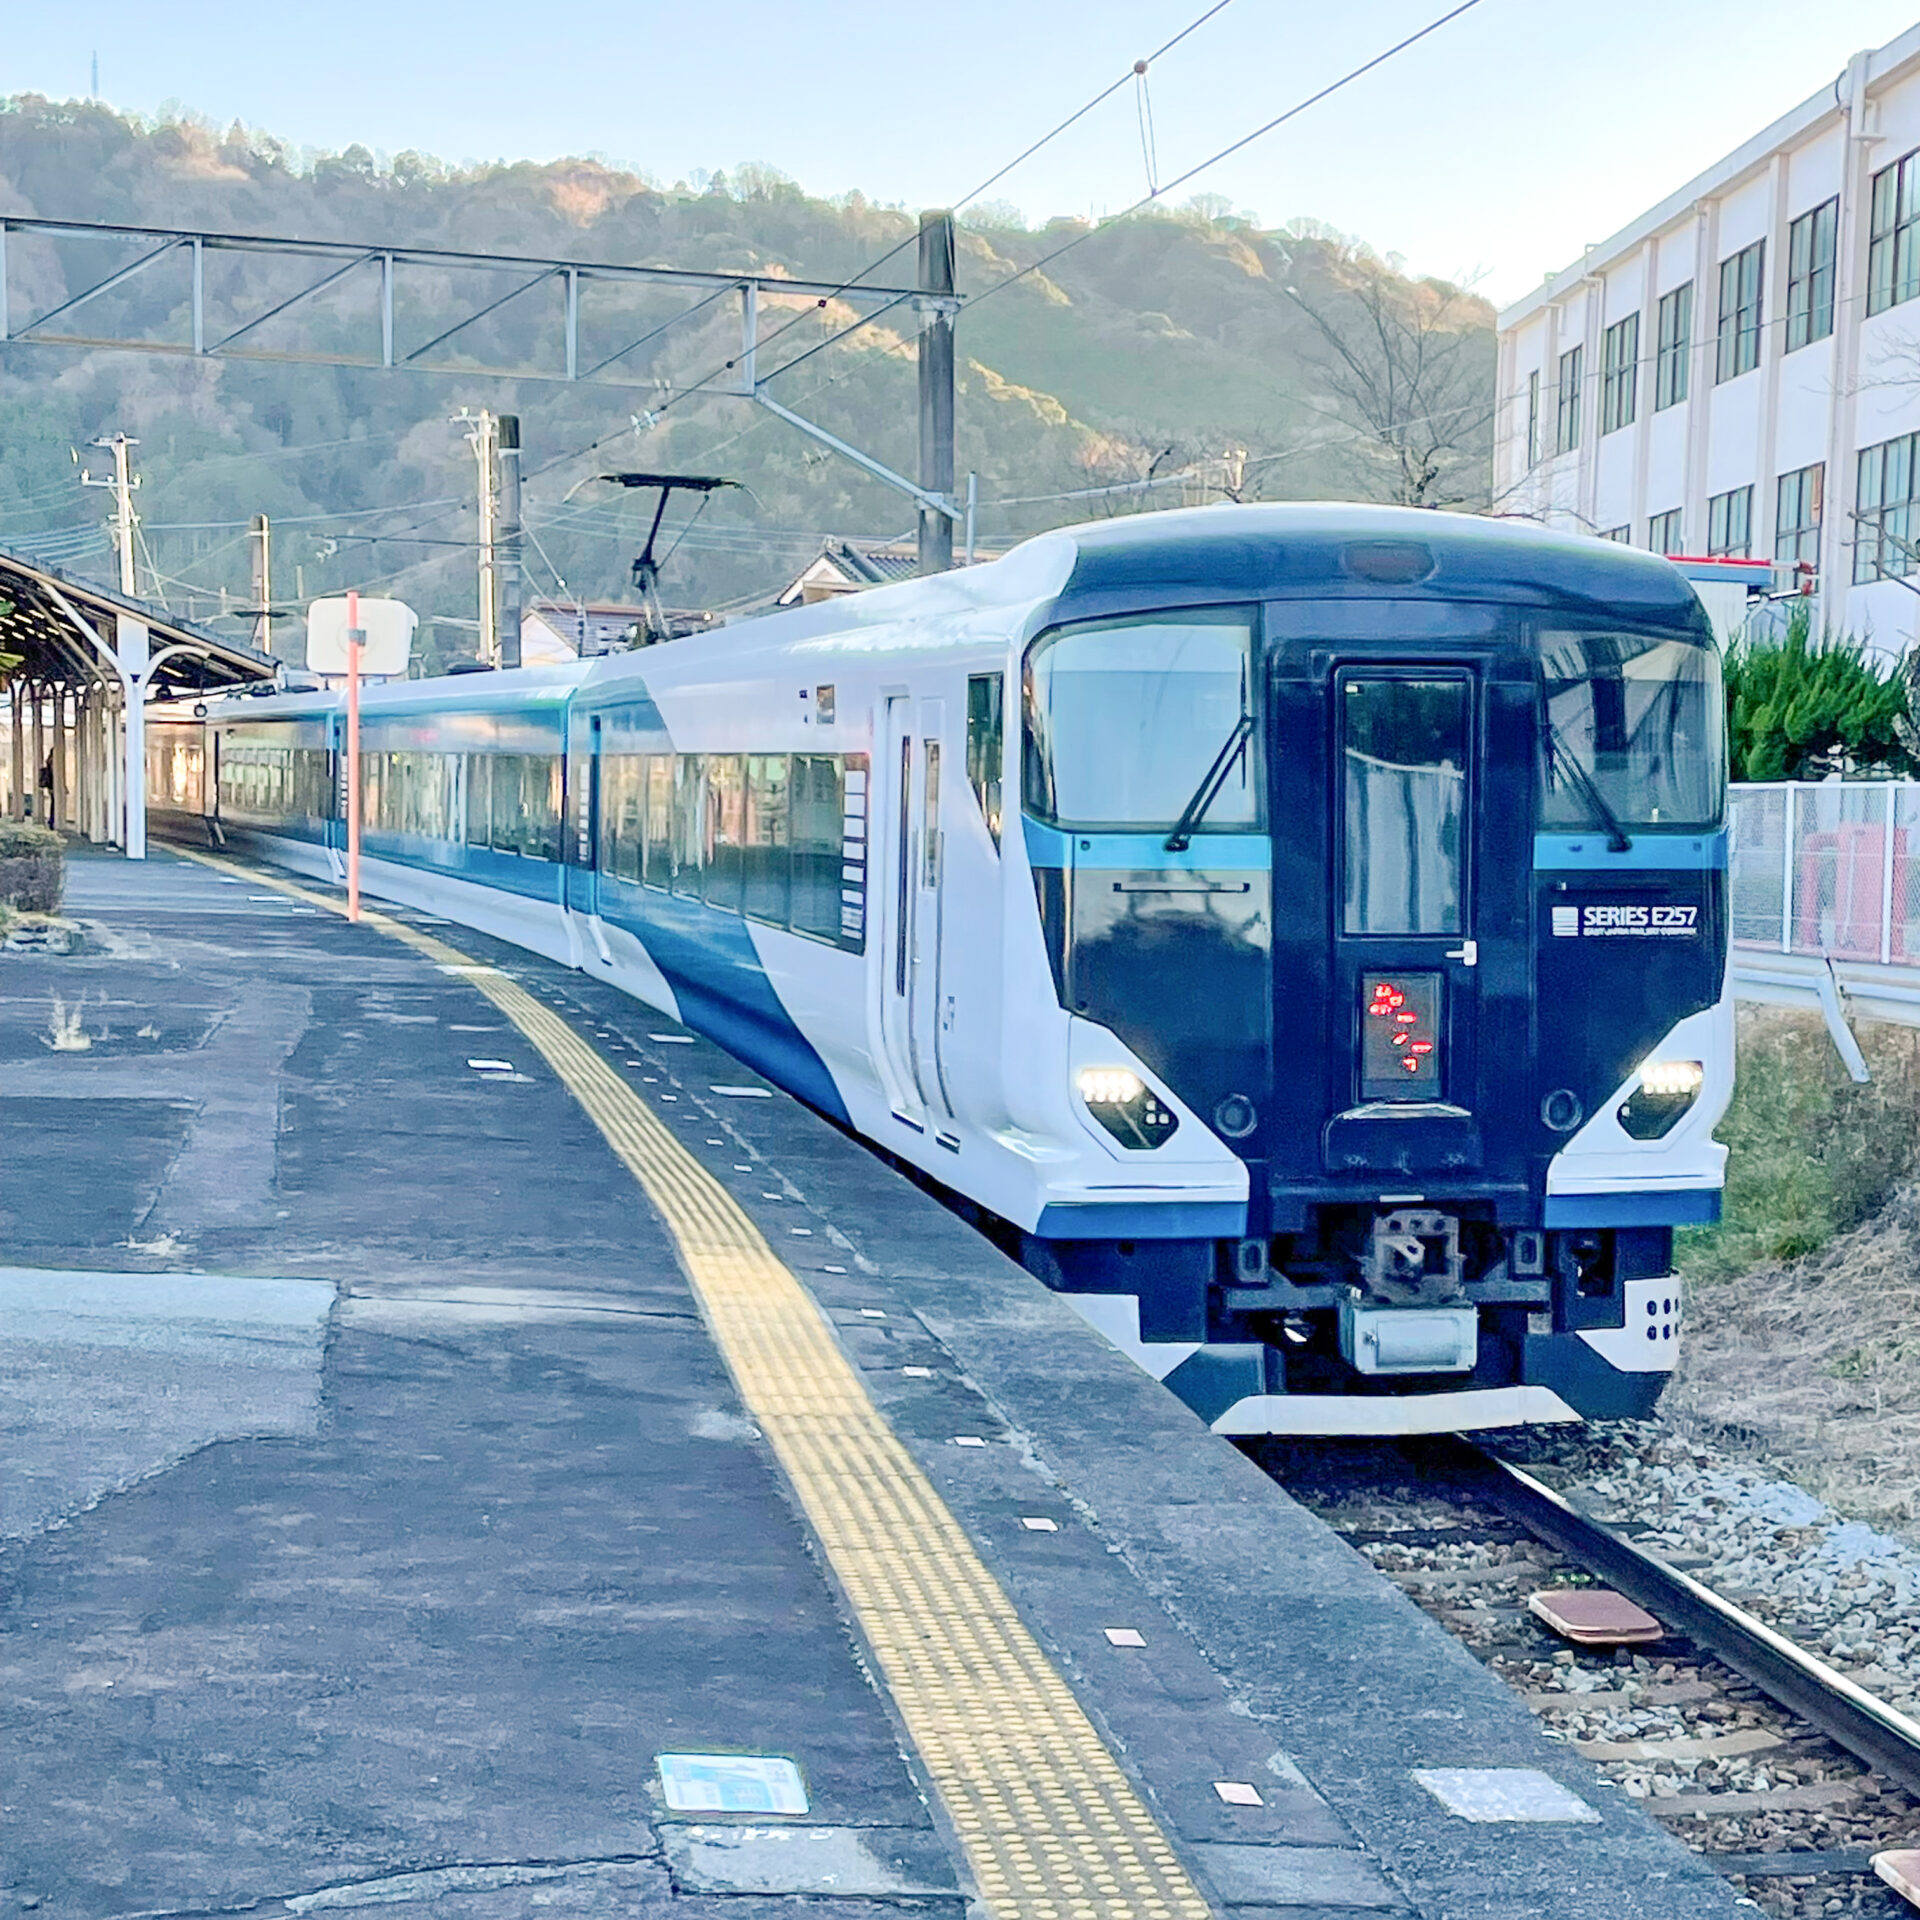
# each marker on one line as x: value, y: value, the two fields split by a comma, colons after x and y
x: 33, y: 867
x: 1799, y: 708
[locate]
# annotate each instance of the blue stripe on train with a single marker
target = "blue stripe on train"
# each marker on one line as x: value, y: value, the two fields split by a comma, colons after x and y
x: 1146, y: 852
x: 523, y: 874
x: 706, y: 954
x: 1649, y: 853
x: 710, y: 961
x: 1142, y: 1220
x: 1679, y: 1207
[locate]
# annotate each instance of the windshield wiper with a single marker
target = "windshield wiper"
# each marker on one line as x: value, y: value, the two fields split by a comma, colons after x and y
x: 1603, y: 815
x: 1181, y: 838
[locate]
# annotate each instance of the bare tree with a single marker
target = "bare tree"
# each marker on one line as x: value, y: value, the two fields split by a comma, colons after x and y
x: 1409, y: 368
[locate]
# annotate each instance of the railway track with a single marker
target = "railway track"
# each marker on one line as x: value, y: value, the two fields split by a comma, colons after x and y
x: 1783, y: 1772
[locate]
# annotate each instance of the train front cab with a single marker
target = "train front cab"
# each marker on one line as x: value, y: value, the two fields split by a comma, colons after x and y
x: 1422, y: 905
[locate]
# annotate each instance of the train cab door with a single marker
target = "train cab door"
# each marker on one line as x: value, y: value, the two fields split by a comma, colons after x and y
x: 1403, y: 966
x: 901, y: 796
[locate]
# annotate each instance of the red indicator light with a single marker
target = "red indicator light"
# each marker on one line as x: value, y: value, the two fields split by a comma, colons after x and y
x: 1401, y: 1051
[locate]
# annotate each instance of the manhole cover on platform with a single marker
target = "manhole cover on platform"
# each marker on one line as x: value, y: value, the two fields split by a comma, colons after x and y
x: 1595, y: 1617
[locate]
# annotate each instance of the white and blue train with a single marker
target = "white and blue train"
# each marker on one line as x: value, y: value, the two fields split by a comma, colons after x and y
x: 1298, y: 933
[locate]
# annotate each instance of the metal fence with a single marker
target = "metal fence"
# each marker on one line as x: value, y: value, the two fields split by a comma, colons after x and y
x: 1828, y: 869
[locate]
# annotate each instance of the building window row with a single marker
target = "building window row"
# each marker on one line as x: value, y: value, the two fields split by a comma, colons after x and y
x: 1812, y: 241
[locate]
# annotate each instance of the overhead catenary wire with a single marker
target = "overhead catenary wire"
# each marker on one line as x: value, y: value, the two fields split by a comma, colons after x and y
x: 1133, y: 72
x: 1246, y: 140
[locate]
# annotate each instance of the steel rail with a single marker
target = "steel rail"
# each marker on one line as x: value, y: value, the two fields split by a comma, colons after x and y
x: 1866, y: 1726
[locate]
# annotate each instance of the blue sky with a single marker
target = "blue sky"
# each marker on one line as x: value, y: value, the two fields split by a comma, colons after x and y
x: 1499, y: 147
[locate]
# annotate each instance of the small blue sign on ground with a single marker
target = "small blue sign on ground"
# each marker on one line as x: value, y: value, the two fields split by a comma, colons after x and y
x: 731, y: 1783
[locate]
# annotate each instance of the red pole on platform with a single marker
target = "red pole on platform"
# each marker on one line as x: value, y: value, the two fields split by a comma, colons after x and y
x: 355, y: 636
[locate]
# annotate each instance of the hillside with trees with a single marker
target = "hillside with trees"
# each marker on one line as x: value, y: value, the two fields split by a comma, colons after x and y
x: 1187, y: 348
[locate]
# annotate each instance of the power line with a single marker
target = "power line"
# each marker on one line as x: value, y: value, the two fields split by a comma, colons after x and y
x: 1133, y: 72
x: 1160, y: 193
x: 304, y: 519
x: 993, y: 179
x: 1246, y: 140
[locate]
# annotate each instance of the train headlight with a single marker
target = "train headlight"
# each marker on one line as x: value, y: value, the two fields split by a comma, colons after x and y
x: 1667, y: 1089
x: 1126, y: 1106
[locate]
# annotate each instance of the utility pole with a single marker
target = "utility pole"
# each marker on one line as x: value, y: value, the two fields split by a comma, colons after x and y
x: 260, y: 540
x: 482, y: 437
x: 936, y: 388
x: 513, y: 575
x: 123, y: 480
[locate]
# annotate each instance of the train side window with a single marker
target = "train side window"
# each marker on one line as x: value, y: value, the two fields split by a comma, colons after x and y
x: 505, y: 832
x: 609, y: 774
x: 622, y: 789
x: 689, y: 823
x: 819, y: 827
x: 657, y: 862
x: 766, y: 853
x: 986, y: 743
x: 726, y: 808
x: 552, y: 804
x: 633, y: 815
x: 479, y: 799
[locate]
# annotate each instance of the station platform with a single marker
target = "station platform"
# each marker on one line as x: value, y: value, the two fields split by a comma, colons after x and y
x: 475, y: 1450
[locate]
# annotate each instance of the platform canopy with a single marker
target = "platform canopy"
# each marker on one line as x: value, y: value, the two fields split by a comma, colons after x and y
x: 37, y: 608
x: 81, y: 662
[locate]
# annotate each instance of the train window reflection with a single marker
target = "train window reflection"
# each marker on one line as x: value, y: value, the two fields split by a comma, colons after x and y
x: 1635, y: 730
x: 1405, y: 743
x: 1124, y: 719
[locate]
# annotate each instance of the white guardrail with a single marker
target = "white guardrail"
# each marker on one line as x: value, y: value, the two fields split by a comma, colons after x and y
x: 1824, y: 886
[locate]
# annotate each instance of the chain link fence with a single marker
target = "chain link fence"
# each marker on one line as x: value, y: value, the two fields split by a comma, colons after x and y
x: 1828, y: 869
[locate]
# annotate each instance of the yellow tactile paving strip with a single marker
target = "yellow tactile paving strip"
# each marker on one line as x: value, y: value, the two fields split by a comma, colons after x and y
x: 1053, y: 1830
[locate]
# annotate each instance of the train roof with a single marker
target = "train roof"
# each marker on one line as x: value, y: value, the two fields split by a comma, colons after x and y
x: 1270, y: 550
x: 1331, y: 550
x: 1273, y: 550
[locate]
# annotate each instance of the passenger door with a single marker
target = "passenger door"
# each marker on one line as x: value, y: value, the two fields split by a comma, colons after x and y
x: 899, y: 890
x: 926, y: 987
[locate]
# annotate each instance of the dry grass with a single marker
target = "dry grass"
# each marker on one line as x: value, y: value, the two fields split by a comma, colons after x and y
x: 1803, y: 1315
x: 1815, y: 1367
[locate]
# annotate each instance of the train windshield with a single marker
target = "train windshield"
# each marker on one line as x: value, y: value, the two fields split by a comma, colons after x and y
x: 1126, y: 719
x: 1636, y: 730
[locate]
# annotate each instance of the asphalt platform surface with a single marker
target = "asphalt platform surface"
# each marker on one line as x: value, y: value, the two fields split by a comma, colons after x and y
x: 376, y: 1509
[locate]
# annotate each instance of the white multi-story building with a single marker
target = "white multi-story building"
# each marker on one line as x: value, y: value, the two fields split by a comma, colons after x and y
x: 1737, y: 372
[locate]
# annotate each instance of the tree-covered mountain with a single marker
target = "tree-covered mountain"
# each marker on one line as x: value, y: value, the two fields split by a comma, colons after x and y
x: 1286, y: 364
